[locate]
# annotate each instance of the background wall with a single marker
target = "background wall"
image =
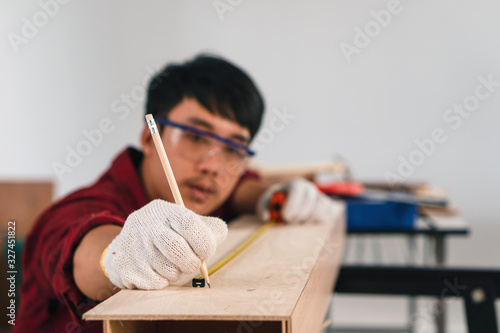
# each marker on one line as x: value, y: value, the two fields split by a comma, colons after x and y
x: 69, y: 67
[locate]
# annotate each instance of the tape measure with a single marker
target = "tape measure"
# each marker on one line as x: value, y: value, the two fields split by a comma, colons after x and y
x: 276, y: 204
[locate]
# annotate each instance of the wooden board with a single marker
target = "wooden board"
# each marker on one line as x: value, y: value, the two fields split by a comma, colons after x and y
x: 23, y: 202
x: 283, y: 172
x: 280, y: 283
x: 445, y: 221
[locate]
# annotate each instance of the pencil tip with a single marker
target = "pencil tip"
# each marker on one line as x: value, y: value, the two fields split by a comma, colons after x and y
x: 209, y: 285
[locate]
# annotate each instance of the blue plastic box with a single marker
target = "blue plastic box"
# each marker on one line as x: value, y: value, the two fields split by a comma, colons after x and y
x: 376, y: 214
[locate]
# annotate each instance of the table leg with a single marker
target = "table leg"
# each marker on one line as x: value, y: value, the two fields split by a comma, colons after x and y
x: 440, y: 254
x: 412, y: 301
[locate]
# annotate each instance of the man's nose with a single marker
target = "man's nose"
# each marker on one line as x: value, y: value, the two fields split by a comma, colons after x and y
x: 211, y: 162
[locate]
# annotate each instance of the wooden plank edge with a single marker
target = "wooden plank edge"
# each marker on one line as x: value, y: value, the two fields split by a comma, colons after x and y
x: 91, y: 317
x: 320, y: 298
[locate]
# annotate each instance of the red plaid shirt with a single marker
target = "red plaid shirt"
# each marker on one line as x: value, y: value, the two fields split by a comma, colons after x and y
x: 50, y: 299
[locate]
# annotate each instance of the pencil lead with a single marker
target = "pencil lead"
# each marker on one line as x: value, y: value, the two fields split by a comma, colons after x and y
x: 209, y: 285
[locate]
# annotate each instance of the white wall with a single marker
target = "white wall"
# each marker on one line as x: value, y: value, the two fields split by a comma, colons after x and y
x: 66, y: 76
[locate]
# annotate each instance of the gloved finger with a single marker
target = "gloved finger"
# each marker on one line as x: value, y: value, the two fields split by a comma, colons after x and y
x: 156, y: 210
x: 164, y: 267
x: 177, y: 250
x: 150, y: 281
x: 193, y: 229
x: 325, y: 209
x: 334, y: 208
x: 217, y: 227
x: 142, y: 275
x: 308, y: 205
x: 299, y: 202
x: 264, y: 215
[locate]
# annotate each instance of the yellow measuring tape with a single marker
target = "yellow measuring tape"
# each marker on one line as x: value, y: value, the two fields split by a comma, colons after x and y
x: 235, y: 252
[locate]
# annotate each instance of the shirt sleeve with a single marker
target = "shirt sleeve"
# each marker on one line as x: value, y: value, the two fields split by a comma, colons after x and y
x: 55, y: 249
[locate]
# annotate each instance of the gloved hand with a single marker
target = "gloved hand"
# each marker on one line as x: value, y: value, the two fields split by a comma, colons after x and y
x: 304, y: 203
x: 158, y: 243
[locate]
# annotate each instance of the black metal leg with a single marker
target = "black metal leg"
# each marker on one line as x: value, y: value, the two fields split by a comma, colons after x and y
x: 412, y: 301
x: 440, y: 257
x: 477, y: 287
x: 480, y: 307
x: 440, y: 251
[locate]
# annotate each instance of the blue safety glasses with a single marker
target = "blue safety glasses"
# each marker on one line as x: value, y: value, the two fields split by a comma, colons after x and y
x: 197, y: 142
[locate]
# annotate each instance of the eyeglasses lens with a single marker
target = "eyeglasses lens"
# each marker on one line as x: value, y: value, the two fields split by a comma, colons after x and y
x: 196, y: 147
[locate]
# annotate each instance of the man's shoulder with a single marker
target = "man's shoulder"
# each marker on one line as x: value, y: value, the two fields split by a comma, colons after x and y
x: 118, y: 192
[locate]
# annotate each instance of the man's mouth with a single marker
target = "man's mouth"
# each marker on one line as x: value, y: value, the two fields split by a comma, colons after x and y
x: 200, y: 192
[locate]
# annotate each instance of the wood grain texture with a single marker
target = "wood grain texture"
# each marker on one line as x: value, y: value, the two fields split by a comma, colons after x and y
x: 288, y: 271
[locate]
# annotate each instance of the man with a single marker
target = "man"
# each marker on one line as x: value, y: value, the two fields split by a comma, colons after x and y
x: 125, y: 231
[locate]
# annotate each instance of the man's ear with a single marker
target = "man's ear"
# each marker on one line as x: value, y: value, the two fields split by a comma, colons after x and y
x: 147, y: 143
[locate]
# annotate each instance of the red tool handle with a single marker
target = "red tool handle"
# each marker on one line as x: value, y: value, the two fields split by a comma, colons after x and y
x: 342, y: 188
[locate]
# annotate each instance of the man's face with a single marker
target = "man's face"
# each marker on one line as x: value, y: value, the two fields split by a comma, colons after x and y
x: 205, y: 180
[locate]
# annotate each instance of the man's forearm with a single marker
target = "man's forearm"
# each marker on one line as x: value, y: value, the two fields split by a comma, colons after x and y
x: 87, y: 271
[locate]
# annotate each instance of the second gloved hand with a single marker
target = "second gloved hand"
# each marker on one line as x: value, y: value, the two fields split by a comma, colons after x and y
x: 304, y: 203
x: 158, y: 243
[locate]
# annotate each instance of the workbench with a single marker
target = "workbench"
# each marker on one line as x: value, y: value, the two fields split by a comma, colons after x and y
x: 282, y: 282
x: 415, y: 271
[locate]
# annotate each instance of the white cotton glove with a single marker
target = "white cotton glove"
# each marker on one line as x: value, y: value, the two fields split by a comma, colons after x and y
x: 304, y: 203
x: 158, y: 243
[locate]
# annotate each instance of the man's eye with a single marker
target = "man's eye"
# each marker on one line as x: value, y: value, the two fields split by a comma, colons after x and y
x: 234, y: 151
x: 195, y: 137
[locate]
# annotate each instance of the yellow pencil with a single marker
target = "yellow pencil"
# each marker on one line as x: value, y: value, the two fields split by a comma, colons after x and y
x: 170, y: 177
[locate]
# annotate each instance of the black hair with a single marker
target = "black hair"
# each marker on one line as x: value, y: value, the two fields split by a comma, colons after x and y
x: 219, y: 86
